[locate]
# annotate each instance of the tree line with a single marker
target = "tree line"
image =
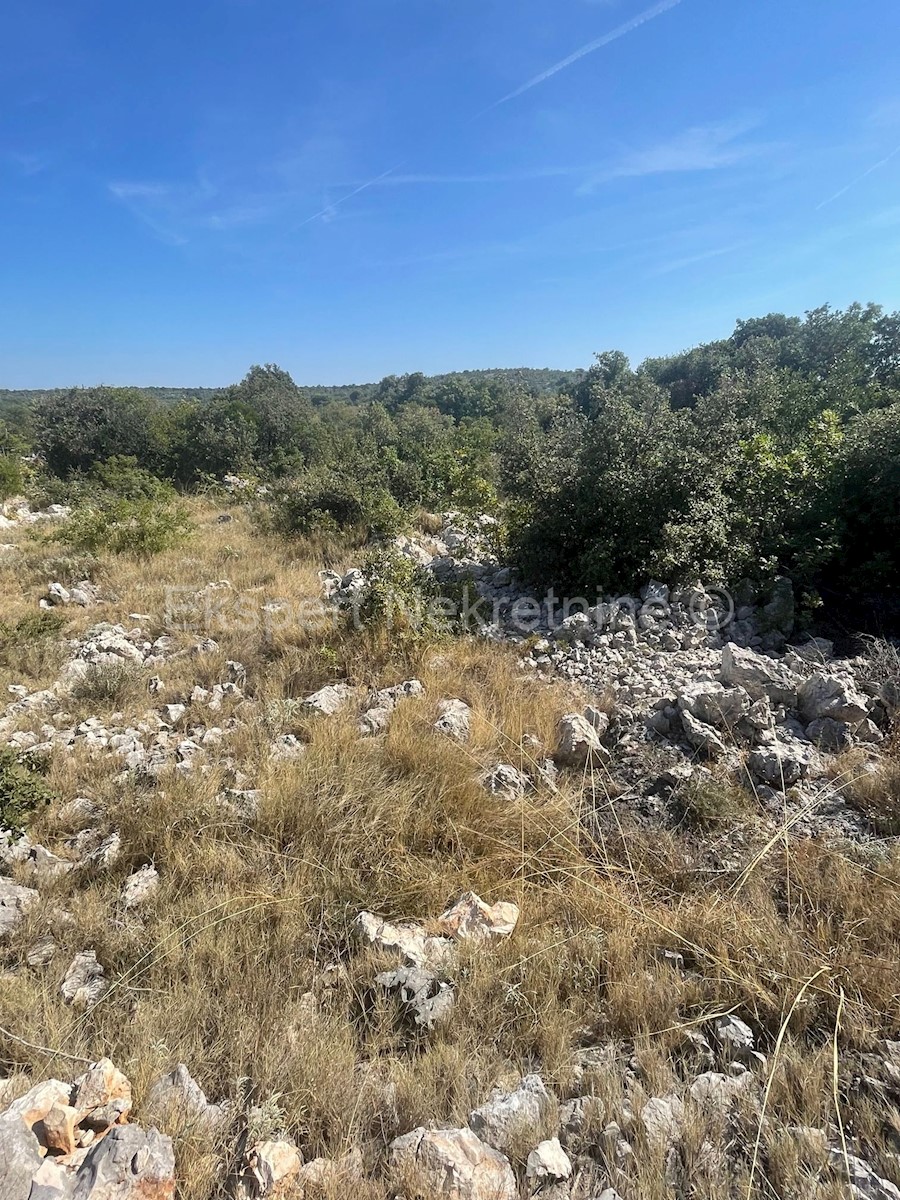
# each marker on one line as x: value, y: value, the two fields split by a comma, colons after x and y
x: 775, y: 450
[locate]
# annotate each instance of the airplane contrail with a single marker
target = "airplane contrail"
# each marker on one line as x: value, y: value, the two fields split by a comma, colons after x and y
x: 629, y: 26
x: 635, y: 23
x: 853, y: 182
x: 349, y: 196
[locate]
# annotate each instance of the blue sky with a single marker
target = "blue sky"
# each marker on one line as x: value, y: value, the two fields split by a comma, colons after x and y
x: 352, y: 188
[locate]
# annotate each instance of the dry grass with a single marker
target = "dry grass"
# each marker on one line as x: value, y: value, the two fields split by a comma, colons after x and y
x: 252, y: 917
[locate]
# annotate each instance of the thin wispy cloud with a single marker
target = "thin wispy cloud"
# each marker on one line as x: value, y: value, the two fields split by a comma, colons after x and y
x: 487, y: 178
x: 27, y: 164
x: 859, y: 179
x: 700, y: 148
x: 621, y: 31
x: 689, y: 260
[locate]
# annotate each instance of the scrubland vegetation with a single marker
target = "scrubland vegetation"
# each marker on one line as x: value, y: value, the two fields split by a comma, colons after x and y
x: 775, y: 451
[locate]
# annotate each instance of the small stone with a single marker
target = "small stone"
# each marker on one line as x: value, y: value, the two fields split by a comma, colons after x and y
x: 470, y: 917
x: 579, y: 743
x: 509, y: 1118
x: 454, y: 719
x: 272, y: 1168
x: 548, y: 1163
x: 406, y: 939
x: 662, y: 1118
x: 427, y: 1000
x: 140, y: 886
x: 42, y: 952
x: 14, y: 901
x: 701, y: 736
x: 597, y: 719
x: 330, y: 700
x: 505, y: 780
x: 84, y: 983
x: 718, y: 1092
x: 734, y: 1035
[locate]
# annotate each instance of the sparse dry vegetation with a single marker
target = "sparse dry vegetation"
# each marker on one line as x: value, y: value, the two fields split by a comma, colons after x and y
x: 243, y: 966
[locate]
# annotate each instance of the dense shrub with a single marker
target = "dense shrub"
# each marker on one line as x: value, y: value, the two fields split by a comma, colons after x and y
x: 108, y: 683
x: 329, y: 502
x: 22, y: 791
x: 140, y: 528
x: 29, y: 629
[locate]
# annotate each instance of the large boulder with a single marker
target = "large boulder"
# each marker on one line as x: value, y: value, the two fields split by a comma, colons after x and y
x: 128, y: 1164
x: 865, y: 1184
x: 829, y: 696
x: 101, y: 1096
x: 177, y: 1099
x: 453, y: 1164
x: 20, y: 1158
x: 759, y: 675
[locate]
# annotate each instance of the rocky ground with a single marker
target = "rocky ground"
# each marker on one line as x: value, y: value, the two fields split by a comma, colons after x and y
x: 589, y: 904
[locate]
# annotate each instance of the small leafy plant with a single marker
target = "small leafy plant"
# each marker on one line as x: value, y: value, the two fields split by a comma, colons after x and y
x: 22, y: 791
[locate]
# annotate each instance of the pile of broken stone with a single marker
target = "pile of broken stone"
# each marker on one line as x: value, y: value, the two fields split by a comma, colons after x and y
x: 73, y: 1141
x: 691, y: 673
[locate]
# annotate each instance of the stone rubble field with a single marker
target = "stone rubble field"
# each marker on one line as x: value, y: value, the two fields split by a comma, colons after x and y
x: 214, y: 815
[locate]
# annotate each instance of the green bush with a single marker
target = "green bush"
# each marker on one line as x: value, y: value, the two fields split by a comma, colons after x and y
x: 141, y: 528
x: 328, y: 503
x: 121, y: 476
x: 32, y: 628
x: 398, y: 596
x: 11, y: 476
x: 22, y: 791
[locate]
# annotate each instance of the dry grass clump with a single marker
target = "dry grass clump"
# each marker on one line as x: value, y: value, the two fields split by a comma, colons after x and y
x: 874, y: 788
x: 244, y: 966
